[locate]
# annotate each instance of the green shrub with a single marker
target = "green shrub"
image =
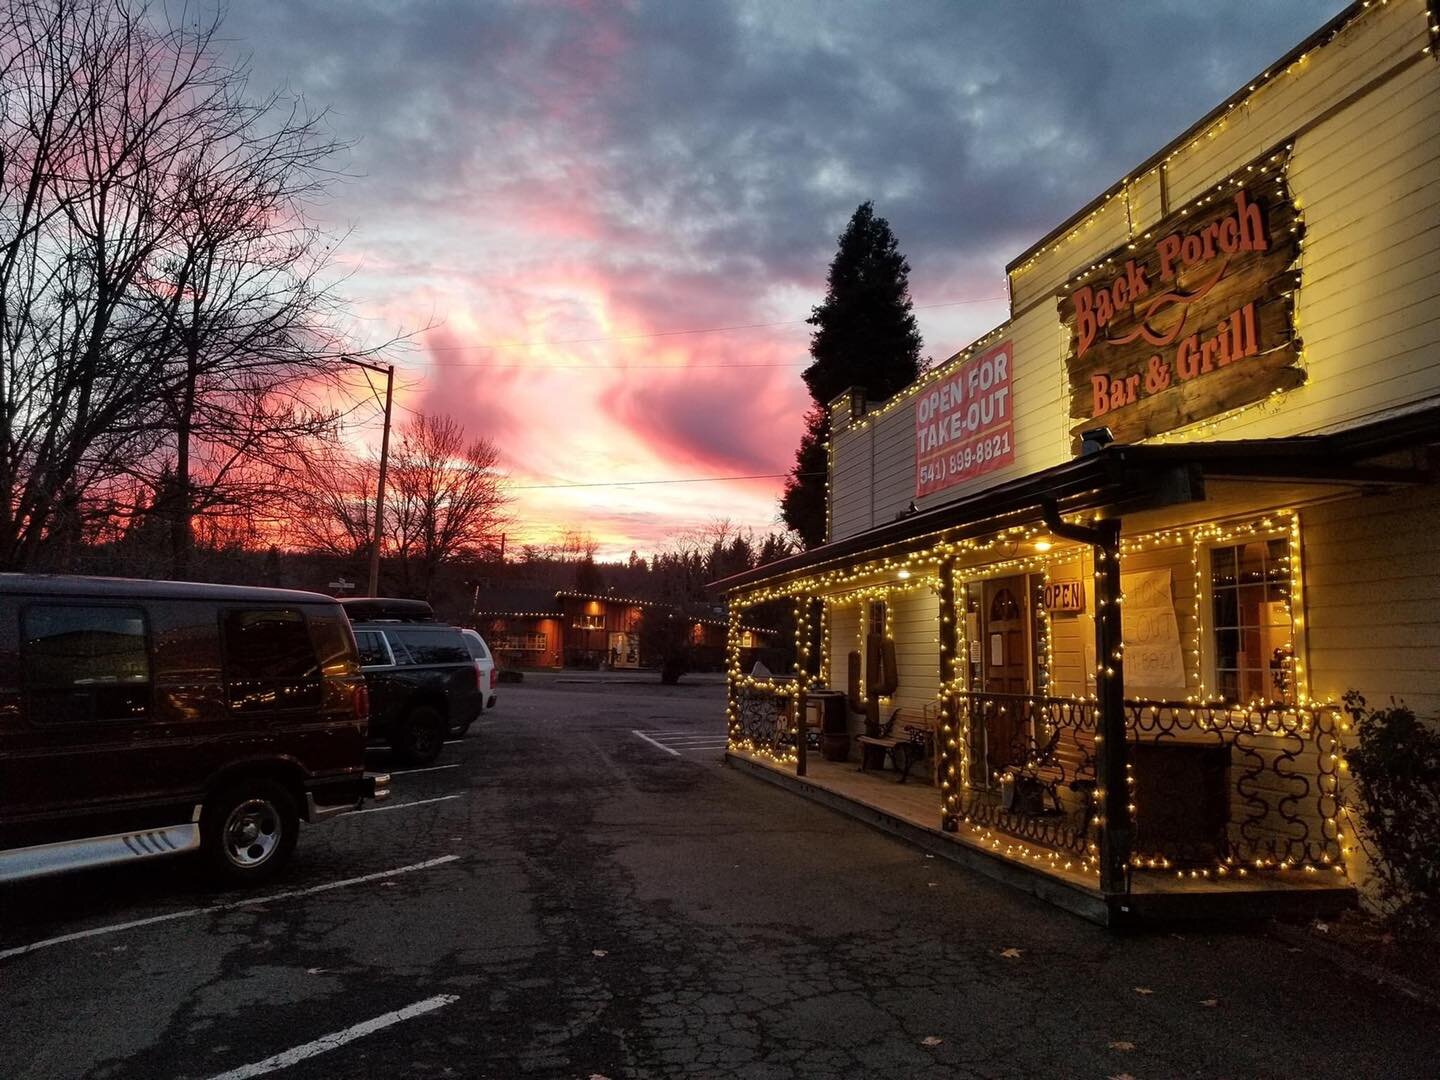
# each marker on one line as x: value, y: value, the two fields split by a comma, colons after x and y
x: 1396, y: 766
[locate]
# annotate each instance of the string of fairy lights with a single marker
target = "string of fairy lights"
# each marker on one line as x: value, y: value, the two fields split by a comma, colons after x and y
x: 952, y: 568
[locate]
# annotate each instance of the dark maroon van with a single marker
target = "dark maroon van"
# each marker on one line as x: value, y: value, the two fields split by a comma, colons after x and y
x: 149, y: 718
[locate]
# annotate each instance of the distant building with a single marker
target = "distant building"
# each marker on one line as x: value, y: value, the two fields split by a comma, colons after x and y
x: 532, y: 627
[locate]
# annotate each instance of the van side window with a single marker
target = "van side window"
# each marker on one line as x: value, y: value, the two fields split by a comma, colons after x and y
x: 432, y: 646
x: 330, y: 632
x: 270, y: 663
x: 85, y: 663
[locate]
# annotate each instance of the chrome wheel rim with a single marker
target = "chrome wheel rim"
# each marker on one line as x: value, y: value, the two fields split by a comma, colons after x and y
x: 252, y: 833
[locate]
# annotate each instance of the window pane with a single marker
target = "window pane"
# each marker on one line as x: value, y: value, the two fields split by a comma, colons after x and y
x: 433, y: 646
x: 372, y: 647
x: 330, y: 633
x: 86, y: 662
x: 1222, y: 566
x: 1227, y: 647
x: 1229, y: 685
x: 1226, y: 613
x: 269, y: 661
x: 1250, y: 591
x: 476, y: 647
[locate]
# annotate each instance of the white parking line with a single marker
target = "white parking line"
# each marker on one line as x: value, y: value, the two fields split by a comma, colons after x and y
x: 115, y: 928
x: 403, y: 805
x: 428, y: 768
x: 652, y: 742
x: 336, y: 1039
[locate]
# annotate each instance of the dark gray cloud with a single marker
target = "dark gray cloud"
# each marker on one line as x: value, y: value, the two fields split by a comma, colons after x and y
x: 593, y: 173
x: 746, y: 132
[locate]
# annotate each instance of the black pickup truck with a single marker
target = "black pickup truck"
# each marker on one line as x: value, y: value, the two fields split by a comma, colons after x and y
x: 423, y: 683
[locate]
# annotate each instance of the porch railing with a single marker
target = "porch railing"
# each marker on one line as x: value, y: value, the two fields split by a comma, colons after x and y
x: 763, y: 719
x: 1244, y: 787
x: 1030, y: 768
x: 1231, y: 788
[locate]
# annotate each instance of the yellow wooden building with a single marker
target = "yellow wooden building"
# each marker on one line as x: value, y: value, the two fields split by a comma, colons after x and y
x: 1110, y: 569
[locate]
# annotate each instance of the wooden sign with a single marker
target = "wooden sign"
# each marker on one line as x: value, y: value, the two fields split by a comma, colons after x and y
x: 1195, y: 318
x: 1066, y: 596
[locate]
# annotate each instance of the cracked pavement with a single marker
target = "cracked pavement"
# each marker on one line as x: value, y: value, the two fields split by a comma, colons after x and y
x: 619, y: 911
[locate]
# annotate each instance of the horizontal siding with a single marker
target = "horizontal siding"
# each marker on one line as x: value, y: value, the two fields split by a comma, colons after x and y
x: 1090, y: 239
x: 1372, y: 582
x: 1070, y: 671
x: 1367, y: 180
x: 1368, y: 46
x: 844, y: 637
x: 1368, y: 309
x: 851, y: 482
x: 882, y: 452
x: 915, y: 626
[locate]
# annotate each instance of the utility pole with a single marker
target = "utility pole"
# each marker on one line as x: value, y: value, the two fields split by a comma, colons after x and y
x: 389, y: 371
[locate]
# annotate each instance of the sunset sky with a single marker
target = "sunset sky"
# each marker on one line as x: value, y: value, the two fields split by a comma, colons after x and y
x: 615, y: 217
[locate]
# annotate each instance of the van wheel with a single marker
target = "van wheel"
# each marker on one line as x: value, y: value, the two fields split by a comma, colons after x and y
x: 421, y: 737
x: 248, y: 831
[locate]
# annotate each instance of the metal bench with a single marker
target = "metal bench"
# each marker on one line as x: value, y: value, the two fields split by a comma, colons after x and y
x: 904, y: 738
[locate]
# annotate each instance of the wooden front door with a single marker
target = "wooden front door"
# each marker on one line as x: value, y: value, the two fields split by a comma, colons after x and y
x: 1005, y: 619
x: 1007, y: 637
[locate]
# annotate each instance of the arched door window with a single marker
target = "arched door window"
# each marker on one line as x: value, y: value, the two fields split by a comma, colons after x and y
x: 1003, y: 605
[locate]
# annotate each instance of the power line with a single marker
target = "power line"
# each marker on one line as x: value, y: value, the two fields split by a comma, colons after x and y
x: 644, y: 483
x: 677, y: 333
x: 611, y: 370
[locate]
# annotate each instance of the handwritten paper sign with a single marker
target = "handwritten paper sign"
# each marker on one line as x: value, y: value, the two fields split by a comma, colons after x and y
x: 1153, y: 658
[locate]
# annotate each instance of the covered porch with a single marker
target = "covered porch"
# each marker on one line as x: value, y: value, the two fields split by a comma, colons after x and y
x: 982, y: 644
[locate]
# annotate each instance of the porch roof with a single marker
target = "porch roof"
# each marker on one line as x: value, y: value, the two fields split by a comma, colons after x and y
x: 1123, y: 479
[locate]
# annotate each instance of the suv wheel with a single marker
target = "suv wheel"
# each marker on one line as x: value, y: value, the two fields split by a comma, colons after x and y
x: 421, y: 736
x: 248, y: 831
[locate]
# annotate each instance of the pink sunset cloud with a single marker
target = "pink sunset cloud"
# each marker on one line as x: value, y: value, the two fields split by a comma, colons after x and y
x: 558, y: 194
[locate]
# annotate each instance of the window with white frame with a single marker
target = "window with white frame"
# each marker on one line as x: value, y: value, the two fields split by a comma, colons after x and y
x: 520, y: 642
x: 1253, y: 634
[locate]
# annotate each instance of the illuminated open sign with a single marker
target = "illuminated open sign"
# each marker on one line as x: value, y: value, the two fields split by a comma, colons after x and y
x: 1066, y: 596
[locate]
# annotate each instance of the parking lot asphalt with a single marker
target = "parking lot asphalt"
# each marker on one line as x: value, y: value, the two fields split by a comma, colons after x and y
x: 580, y: 889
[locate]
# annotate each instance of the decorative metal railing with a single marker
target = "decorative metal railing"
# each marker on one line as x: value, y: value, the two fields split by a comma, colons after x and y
x: 1212, y: 787
x: 1235, y: 787
x: 762, y: 717
x: 1031, y: 765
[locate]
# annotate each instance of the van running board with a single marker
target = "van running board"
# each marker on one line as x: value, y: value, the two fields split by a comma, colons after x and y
x: 45, y: 859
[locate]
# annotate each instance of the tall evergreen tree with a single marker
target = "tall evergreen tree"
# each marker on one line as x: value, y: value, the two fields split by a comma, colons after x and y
x: 865, y: 337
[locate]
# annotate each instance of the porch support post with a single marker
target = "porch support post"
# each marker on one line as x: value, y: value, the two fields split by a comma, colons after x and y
x: 1112, y: 751
x: 732, y: 672
x: 948, y: 741
x: 802, y: 678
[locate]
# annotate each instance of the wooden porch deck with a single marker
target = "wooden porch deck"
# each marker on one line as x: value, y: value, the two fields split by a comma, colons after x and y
x: 912, y: 812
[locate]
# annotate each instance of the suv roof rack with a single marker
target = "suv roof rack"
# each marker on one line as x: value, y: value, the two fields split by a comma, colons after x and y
x: 387, y: 609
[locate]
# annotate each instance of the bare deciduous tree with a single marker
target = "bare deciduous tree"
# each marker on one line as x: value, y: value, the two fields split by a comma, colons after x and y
x: 163, y: 309
x: 447, y: 498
